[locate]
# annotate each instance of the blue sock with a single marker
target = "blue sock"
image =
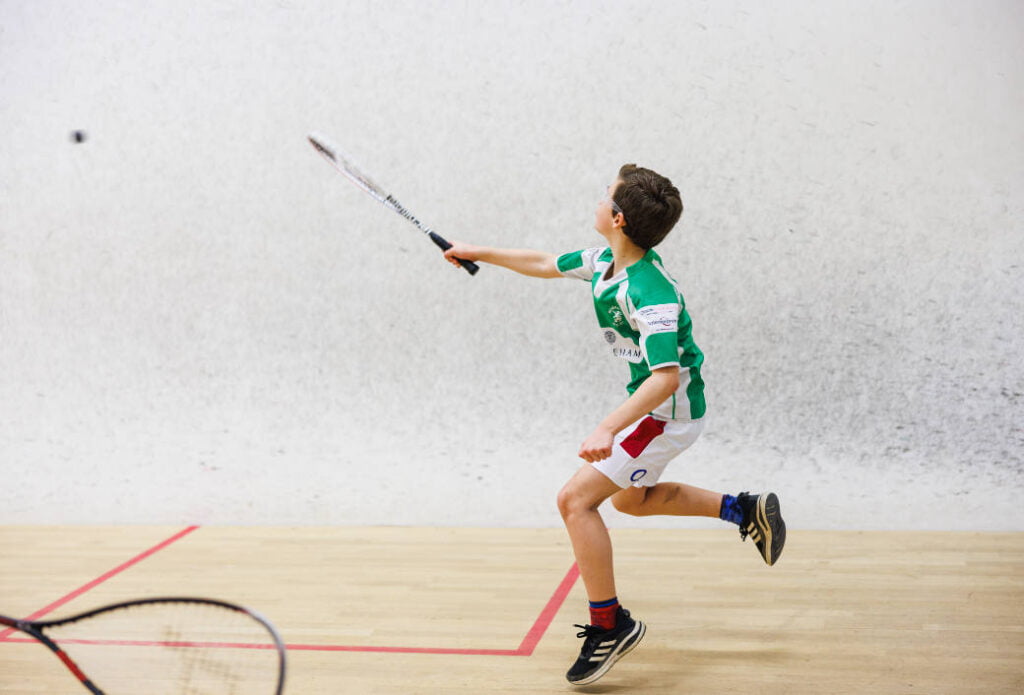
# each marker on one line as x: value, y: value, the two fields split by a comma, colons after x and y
x: 731, y: 510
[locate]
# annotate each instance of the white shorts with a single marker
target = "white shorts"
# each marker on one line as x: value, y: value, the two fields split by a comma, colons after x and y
x: 642, y: 450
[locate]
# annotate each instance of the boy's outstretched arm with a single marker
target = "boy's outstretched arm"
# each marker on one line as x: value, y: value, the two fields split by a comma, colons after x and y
x: 537, y: 264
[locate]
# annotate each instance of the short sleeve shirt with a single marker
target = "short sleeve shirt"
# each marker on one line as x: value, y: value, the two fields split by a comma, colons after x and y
x: 642, y: 317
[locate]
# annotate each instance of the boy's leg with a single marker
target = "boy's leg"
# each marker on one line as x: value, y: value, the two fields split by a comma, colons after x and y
x: 603, y: 645
x: 758, y: 516
x: 578, y: 502
x: 675, y: 499
x: 639, y: 457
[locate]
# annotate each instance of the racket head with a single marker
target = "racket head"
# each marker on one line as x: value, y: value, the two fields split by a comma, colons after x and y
x: 346, y: 165
x: 197, y: 632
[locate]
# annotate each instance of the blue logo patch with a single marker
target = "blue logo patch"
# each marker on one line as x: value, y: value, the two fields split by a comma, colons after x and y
x: 638, y: 474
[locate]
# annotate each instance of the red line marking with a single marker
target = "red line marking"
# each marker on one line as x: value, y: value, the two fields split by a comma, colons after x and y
x: 526, y: 647
x: 156, y: 643
x: 289, y: 647
x: 402, y: 650
x: 543, y: 621
x: 103, y: 577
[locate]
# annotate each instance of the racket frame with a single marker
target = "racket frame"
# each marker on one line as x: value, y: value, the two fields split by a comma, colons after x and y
x: 344, y: 164
x: 36, y: 628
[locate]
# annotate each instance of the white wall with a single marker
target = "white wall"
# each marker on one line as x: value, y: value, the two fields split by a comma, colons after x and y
x: 201, y: 322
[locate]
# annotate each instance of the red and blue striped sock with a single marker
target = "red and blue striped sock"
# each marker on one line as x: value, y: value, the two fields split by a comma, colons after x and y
x: 602, y: 613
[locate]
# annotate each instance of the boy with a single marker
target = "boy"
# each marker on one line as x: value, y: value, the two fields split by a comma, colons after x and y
x: 643, y: 317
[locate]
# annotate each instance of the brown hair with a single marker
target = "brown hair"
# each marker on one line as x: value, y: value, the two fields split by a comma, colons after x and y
x: 650, y: 204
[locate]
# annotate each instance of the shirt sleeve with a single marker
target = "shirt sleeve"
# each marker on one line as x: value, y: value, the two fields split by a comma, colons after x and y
x: 659, y: 333
x: 580, y: 265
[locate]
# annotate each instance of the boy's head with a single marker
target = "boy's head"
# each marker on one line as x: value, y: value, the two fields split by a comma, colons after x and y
x: 650, y: 205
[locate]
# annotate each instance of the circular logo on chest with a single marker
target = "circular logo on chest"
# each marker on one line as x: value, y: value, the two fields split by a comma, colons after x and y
x: 609, y: 336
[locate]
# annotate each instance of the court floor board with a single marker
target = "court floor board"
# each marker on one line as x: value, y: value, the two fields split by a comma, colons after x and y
x: 469, y: 611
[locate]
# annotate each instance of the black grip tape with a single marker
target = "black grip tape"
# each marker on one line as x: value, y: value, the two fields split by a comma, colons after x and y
x: 470, y: 266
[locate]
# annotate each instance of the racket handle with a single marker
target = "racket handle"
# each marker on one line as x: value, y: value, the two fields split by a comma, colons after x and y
x: 470, y: 266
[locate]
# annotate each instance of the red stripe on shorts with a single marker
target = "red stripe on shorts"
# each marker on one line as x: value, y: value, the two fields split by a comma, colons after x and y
x: 644, y: 434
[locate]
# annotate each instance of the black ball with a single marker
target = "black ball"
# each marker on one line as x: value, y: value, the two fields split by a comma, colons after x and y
x: 78, y: 136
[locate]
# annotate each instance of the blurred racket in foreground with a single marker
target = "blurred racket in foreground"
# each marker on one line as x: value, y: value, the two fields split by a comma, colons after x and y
x: 345, y: 165
x: 165, y: 646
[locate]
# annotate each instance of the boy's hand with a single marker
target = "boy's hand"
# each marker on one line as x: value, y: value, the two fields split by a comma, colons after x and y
x: 598, y: 446
x: 466, y: 252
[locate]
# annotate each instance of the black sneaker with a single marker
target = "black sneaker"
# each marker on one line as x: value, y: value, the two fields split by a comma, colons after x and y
x: 762, y: 521
x: 602, y: 648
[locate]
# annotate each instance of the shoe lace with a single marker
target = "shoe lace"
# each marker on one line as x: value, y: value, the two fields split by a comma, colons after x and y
x: 743, y: 525
x: 593, y: 635
x: 589, y: 631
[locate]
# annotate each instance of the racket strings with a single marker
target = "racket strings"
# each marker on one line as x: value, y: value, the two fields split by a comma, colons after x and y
x: 173, y: 649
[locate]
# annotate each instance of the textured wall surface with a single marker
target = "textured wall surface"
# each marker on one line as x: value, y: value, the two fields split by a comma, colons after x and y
x: 200, y: 321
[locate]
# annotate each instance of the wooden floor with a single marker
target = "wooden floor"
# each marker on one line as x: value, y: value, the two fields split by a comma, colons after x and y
x: 470, y: 611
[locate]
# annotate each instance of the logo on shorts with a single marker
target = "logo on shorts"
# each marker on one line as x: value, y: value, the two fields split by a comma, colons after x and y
x: 638, y: 474
x: 609, y: 336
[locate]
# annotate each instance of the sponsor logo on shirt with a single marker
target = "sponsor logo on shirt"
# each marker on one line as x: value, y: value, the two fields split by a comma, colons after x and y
x: 662, y: 318
x: 623, y: 347
x: 631, y: 354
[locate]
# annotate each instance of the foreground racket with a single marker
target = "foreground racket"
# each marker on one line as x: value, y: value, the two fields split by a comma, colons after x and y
x: 344, y: 164
x: 165, y: 646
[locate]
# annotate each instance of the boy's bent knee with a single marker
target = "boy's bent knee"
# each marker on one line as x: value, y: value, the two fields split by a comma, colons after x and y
x: 585, y: 492
x: 571, y: 501
x: 630, y: 501
x: 566, y: 501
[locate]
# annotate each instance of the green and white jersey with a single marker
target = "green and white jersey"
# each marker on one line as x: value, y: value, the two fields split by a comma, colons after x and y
x: 642, y: 317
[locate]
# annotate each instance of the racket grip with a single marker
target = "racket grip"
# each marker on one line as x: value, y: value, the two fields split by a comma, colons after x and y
x: 470, y: 266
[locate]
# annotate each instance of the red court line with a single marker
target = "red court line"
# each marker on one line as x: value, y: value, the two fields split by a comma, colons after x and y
x: 288, y: 647
x: 526, y: 647
x: 543, y: 621
x: 154, y: 643
x: 402, y: 650
x: 103, y: 577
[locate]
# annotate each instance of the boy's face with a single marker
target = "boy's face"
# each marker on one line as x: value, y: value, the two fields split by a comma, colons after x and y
x: 606, y: 217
